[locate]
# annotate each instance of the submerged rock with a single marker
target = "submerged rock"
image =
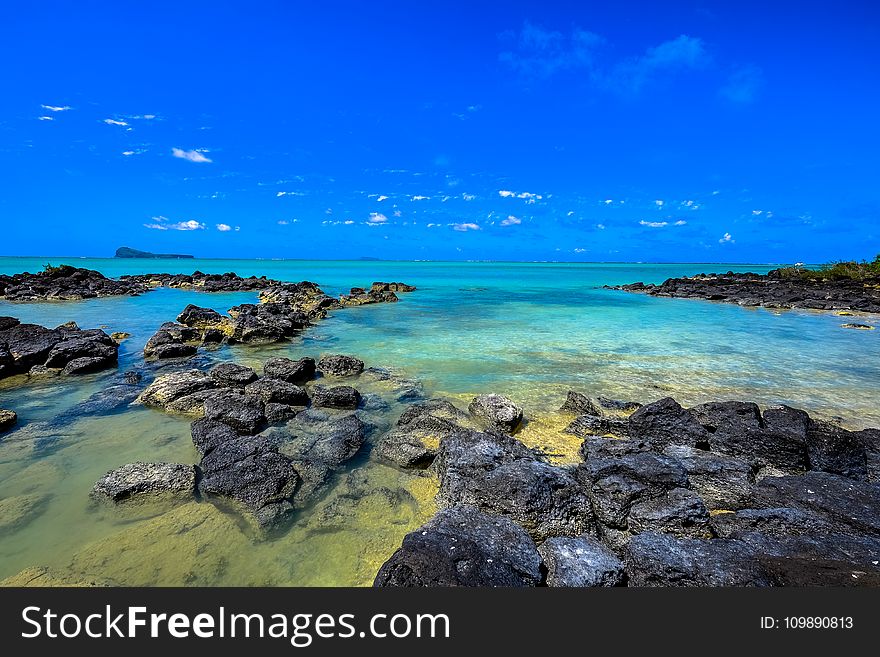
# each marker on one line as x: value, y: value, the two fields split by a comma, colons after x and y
x: 340, y: 365
x: 580, y: 561
x: 207, y: 434
x: 462, y: 546
x: 413, y: 442
x: 18, y: 511
x: 496, y: 412
x: 139, y: 479
x: 332, y: 442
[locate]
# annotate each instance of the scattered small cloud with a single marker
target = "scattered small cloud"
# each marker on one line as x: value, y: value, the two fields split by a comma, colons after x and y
x: 381, y: 198
x: 192, y: 156
x: 654, y: 224
x: 162, y: 223
x: 680, y: 222
x: 115, y: 122
x: 283, y: 222
x: 538, y: 52
x: 659, y: 203
x: 463, y: 228
x: 348, y: 222
x: 743, y: 85
x: 419, y: 197
x: 47, y: 118
x: 726, y: 238
x: 56, y: 108
x: 600, y: 226
x: 468, y: 197
x: 224, y: 228
x: 757, y: 213
x: 511, y: 221
x: 280, y: 194
x: 377, y: 218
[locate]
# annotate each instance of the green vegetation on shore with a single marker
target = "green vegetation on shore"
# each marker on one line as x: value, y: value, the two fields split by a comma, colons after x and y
x: 836, y: 271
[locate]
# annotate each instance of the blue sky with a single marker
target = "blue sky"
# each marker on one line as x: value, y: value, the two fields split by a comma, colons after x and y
x: 691, y: 131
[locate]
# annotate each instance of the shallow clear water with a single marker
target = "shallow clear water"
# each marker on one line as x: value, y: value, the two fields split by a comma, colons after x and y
x: 531, y: 331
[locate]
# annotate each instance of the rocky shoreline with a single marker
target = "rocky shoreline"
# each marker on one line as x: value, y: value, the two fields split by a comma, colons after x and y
x: 771, y: 290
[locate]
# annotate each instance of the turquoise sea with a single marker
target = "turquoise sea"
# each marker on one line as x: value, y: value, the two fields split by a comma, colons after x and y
x: 528, y: 330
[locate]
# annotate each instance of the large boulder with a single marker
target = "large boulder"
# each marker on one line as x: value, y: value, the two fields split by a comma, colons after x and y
x: 344, y: 397
x: 462, y: 546
x: 83, y: 344
x: 203, y: 318
x: 496, y: 412
x: 292, y: 371
x: 139, y: 480
x: 579, y: 404
x: 831, y: 448
x: 245, y: 413
x: 500, y: 475
x: 208, y: 434
x: 850, y: 506
x: 168, y: 387
x: 331, y: 442
x: 250, y: 471
x: 724, y: 482
x: 340, y: 365
x: 233, y: 375
x: 580, y: 561
x: 665, y: 422
x: 28, y: 345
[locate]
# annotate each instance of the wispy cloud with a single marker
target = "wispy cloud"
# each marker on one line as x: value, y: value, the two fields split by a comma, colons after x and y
x: 419, y: 197
x: 381, y: 198
x: 727, y: 237
x: 196, y: 155
x: 278, y: 194
x: 115, y: 122
x: 743, y: 85
x: 162, y: 223
x: 463, y: 228
x: 654, y: 224
x: 56, y: 108
x: 537, y: 52
x: 680, y: 222
x: 46, y: 118
x: 283, y: 222
x: 682, y: 53
x: 511, y: 221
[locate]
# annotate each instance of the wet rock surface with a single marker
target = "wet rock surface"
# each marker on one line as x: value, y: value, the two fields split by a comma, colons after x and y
x: 340, y: 365
x: 580, y: 561
x: 344, y: 397
x: 414, y: 441
x: 496, y: 412
x: 137, y: 480
x: 65, y: 283
x: 7, y: 419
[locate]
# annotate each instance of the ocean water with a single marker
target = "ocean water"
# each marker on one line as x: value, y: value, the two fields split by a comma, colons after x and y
x: 528, y: 330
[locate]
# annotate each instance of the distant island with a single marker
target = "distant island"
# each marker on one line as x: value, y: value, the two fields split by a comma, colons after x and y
x: 127, y: 252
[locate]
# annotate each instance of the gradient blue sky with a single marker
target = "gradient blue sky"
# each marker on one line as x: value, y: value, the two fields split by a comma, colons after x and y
x: 628, y: 131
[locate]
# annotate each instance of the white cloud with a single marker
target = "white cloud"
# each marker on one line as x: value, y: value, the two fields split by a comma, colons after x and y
x: 659, y: 203
x: 726, y: 238
x: 224, y: 228
x: 419, y: 197
x: 161, y: 223
x: 192, y: 156
x: 680, y: 222
x: 529, y: 196
x: 56, y: 108
x: 579, y: 250
x: 348, y: 222
x: 511, y: 221
x: 506, y: 193
x: 600, y: 226
x: 609, y: 201
x: 381, y: 198
x: 280, y: 194
x: 433, y: 225
x: 570, y: 213
x: 757, y: 213
x: 468, y: 197
x: 283, y: 222
x: 377, y: 218
x: 115, y: 122
x: 46, y: 118
x: 654, y: 224
x: 463, y: 228
x: 128, y: 152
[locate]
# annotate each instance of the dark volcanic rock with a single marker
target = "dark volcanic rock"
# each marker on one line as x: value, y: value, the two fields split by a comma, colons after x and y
x: 580, y: 561
x: 84, y: 366
x: 65, y: 283
x: 230, y: 374
x: 849, y: 505
x: 496, y: 412
x: 665, y: 422
x: 227, y: 282
x: 678, y: 512
x: 595, y: 447
x: 30, y: 347
x: 770, y: 522
x: 201, y: 318
x: 500, y: 475
x: 243, y: 412
x: 276, y: 413
x: 584, y: 426
x: 332, y: 443
x: 833, y: 449
x: 414, y: 441
x: 339, y: 365
x: 83, y: 344
x: 140, y: 479
x: 580, y: 404
x: 461, y: 546
x: 250, y: 471
x: 169, y: 387
x: 344, y: 397
x: 292, y: 371
x: 870, y: 440
x: 29, y: 344
x: 724, y: 482
x: 278, y: 392
x: 207, y: 434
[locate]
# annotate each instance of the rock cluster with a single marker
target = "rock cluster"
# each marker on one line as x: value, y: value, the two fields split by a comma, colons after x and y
x: 771, y: 291
x: 67, y: 349
x: 722, y: 494
x: 378, y: 293
x: 65, y: 283
x: 228, y: 282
